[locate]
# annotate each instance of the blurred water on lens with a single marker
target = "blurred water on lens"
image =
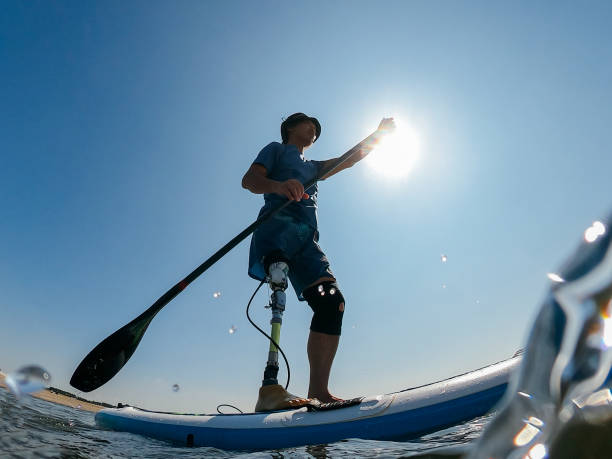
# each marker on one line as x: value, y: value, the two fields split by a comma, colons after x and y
x: 565, y: 372
x: 27, y: 380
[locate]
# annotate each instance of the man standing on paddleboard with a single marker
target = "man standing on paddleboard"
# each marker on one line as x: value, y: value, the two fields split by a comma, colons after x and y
x: 289, y: 239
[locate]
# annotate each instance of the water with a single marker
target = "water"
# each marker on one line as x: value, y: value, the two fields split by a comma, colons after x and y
x: 567, y: 358
x: 555, y: 277
x: 28, y: 379
x: 594, y: 231
x: 36, y: 428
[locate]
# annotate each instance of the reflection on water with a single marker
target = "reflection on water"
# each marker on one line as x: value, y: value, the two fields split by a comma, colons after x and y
x: 567, y: 358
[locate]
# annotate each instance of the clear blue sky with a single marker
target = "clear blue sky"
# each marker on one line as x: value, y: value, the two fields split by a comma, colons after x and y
x: 126, y: 127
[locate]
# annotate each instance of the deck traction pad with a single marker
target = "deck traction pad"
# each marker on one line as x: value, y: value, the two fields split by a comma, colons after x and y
x: 335, y: 405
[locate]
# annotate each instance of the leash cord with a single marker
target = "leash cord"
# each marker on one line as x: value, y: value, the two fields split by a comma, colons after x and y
x: 268, y: 336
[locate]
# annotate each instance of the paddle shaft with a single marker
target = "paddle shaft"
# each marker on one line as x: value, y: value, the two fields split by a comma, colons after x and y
x: 108, y: 357
x: 180, y: 286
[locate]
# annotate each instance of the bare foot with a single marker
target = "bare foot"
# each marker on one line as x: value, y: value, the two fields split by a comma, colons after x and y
x: 326, y: 398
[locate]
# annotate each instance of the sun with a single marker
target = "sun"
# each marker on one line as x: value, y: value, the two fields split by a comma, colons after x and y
x: 396, y: 154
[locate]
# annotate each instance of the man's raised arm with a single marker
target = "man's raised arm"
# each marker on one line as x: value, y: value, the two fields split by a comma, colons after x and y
x: 361, y: 150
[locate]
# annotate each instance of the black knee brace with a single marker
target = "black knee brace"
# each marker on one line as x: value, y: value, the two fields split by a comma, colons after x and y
x: 327, y: 302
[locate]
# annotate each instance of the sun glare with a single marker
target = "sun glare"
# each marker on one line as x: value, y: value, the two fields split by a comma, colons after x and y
x: 396, y: 154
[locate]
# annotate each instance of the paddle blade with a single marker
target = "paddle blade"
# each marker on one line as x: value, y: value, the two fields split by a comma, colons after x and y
x: 108, y: 357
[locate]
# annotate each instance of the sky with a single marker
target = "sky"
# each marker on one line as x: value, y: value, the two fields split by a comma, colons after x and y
x: 126, y: 128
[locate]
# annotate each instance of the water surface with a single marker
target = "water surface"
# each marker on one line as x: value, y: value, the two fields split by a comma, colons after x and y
x: 36, y: 428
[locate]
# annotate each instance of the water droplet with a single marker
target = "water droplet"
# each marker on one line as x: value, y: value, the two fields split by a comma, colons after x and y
x: 590, y: 235
x: 535, y: 421
x: 175, y: 388
x: 216, y: 294
x: 538, y: 451
x: 332, y: 291
x: 27, y: 380
x: 555, y: 277
x: 232, y: 330
x: 443, y: 258
x: 599, y: 227
x: 594, y: 231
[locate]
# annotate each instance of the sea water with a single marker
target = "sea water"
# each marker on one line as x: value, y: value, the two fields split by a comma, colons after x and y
x: 32, y: 427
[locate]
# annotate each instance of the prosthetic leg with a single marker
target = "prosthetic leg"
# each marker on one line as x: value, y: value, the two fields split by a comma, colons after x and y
x: 272, y: 396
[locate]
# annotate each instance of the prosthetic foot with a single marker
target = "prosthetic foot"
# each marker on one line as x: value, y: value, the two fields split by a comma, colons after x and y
x: 275, y: 397
x: 272, y: 396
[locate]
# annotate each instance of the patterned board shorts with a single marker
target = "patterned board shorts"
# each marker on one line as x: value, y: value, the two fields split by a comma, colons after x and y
x: 298, y: 242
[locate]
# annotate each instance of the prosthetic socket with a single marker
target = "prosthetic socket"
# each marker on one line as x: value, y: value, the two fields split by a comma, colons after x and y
x: 277, y: 278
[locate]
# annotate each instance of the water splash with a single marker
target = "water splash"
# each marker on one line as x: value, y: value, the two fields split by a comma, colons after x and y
x: 567, y: 358
x: 175, y: 388
x: 27, y: 380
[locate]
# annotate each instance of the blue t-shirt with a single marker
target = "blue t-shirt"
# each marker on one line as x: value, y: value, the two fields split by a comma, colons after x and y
x: 284, y: 162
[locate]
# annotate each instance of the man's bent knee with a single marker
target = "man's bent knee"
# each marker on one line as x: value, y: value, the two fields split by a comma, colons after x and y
x: 327, y: 303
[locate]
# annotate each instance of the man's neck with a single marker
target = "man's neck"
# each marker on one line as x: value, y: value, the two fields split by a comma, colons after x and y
x: 299, y: 145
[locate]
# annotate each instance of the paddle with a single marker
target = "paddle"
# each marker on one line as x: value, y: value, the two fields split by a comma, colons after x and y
x: 108, y: 357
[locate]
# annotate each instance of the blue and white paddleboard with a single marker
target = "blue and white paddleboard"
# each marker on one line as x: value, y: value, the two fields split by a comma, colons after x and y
x: 397, y: 416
